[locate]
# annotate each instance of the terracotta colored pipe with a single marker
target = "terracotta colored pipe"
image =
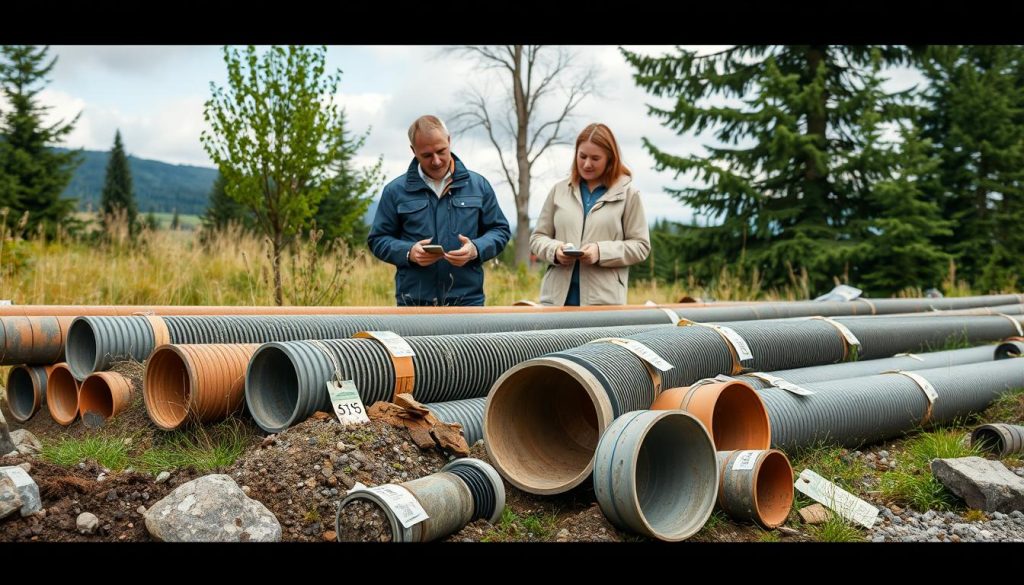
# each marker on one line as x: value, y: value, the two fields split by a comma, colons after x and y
x: 62, y: 394
x: 26, y: 390
x: 103, y: 395
x: 756, y: 486
x: 33, y: 340
x: 732, y: 411
x: 127, y: 310
x: 200, y: 383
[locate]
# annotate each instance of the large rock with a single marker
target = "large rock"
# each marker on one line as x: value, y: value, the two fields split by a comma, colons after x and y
x: 10, y: 499
x: 983, y: 484
x: 211, y: 509
x: 27, y: 489
x: 26, y: 443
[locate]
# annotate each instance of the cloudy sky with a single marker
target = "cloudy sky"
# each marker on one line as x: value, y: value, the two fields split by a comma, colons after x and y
x: 155, y: 96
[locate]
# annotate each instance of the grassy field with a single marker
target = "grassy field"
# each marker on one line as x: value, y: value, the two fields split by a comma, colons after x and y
x: 181, y: 267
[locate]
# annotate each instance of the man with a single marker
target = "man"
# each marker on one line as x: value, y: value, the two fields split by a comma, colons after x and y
x: 438, y: 202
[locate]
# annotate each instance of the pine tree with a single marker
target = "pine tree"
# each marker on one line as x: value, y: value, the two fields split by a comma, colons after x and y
x: 117, y: 202
x: 222, y: 210
x: 32, y: 174
x: 341, y: 213
x: 789, y: 169
x: 975, y: 117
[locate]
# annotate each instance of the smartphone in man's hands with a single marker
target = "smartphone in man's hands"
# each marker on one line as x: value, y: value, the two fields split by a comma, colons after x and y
x: 572, y: 251
x: 435, y: 249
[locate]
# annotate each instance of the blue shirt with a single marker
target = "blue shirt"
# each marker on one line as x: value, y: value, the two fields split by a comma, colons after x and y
x: 589, y: 199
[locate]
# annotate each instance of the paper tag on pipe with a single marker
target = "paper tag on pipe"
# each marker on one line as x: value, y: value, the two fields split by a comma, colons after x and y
x: 925, y: 385
x: 738, y: 343
x: 393, y: 342
x: 1015, y: 322
x: 910, y: 355
x: 843, y: 330
x: 5, y: 303
x: 347, y: 403
x: 671, y: 314
x: 836, y: 498
x: 401, y: 501
x: 642, y: 351
x: 745, y: 460
x: 781, y: 384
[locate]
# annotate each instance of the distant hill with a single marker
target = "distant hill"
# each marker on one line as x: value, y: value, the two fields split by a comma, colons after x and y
x: 159, y: 186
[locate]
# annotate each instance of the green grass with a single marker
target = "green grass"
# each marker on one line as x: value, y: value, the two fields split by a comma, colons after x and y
x: 717, y: 518
x: 912, y: 483
x: 769, y: 536
x: 835, y: 529
x: 110, y: 452
x: 513, y: 526
x: 203, y: 448
x: 834, y: 463
x: 1008, y: 408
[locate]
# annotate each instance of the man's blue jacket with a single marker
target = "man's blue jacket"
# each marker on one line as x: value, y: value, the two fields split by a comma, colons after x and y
x: 409, y: 211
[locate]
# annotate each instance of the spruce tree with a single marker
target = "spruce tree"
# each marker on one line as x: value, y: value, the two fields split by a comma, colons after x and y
x: 790, y: 167
x: 117, y: 202
x: 32, y: 174
x: 341, y: 213
x: 222, y: 210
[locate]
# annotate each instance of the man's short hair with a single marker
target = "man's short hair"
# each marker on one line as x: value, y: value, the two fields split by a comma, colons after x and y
x: 424, y: 123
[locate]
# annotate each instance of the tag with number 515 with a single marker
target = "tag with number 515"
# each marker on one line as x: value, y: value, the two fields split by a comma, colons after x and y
x: 347, y: 404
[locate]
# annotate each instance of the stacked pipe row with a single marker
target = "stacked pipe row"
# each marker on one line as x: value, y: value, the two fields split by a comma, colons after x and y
x: 95, y: 342
x: 862, y: 410
x: 543, y: 417
x: 285, y: 382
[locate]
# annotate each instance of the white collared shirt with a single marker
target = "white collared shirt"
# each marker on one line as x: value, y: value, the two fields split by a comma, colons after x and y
x: 436, y: 186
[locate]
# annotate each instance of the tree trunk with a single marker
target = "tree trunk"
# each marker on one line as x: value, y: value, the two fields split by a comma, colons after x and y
x: 522, y: 160
x: 278, y: 294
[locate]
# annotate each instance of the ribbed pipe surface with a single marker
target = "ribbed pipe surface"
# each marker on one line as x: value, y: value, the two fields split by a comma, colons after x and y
x: 921, y: 361
x: 285, y: 381
x: 863, y: 410
x: 890, y: 335
x: 195, y: 383
x: 1000, y: 439
x: 469, y: 413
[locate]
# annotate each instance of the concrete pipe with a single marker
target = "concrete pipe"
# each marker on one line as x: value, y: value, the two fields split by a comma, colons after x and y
x: 731, y: 411
x: 755, y: 486
x: 197, y: 383
x: 26, y: 390
x: 103, y: 395
x: 999, y: 439
x: 463, y: 491
x: 655, y: 474
x: 62, y: 394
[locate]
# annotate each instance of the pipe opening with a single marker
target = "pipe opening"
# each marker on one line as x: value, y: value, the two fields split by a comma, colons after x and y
x: 62, y: 395
x: 272, y: 389
x: 542, y: 429
x: 81, y: 348
x: 987, y: 439
x: 96, y: 397
x: 22, y: 393
x: 773, y: 489
x: 168, y: 388
x: 740, y: 420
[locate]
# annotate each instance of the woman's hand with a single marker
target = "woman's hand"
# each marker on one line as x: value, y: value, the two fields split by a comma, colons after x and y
x: 561, y: 258
x: 591, y: 254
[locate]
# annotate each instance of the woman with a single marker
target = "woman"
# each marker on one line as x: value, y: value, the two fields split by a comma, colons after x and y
x: 592, y: 227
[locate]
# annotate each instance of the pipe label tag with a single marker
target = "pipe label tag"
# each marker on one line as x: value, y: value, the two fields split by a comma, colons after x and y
x: 925, y: 385
x: 1016, y: 323
x: 671, y: 314
x: 5, y: 303
x: 782, y: 384
x: 843, y: 330
x: 347, y: 404
x: 401, y: 501
x: 836, y: 498
x: 740, y: 344
x: 911, y: 356
x: 642, y: 351
x: 392, y: 341
x: 745, y: 460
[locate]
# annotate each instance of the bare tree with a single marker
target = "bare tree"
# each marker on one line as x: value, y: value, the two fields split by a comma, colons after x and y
x: 532, y: 77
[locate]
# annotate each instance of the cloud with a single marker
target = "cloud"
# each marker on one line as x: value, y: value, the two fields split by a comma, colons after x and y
x: 75, y: 61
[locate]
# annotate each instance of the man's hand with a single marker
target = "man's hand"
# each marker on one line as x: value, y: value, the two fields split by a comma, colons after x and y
x: 419, y: 256
x: 591, y: 254
x: 463, y: 255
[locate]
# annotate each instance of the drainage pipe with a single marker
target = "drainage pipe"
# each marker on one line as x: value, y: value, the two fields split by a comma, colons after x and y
x: 103, y: 395
x: 469, y: 413
x: 999, y: 439
x: 26, y: 390
x: 655, y: 474
x: 731, y: 410
x: 62, y: 395
x: 33, y: 340
x: 463, y: 491
x: 756, y: 486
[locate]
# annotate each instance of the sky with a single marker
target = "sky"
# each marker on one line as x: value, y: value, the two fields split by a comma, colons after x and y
x: 155, y: 96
